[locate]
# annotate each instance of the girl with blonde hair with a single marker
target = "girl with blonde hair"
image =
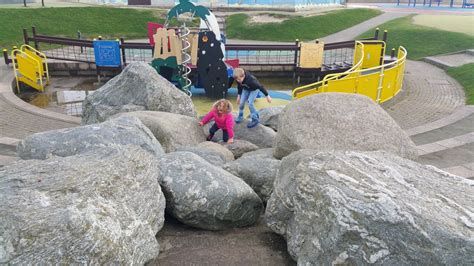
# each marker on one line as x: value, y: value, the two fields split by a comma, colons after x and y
x: 221, y: 112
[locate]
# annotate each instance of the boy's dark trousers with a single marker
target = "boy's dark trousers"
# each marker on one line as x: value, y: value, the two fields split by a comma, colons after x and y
x: 213, y: 130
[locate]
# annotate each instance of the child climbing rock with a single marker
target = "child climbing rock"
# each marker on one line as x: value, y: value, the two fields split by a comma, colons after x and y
x: 248, y: 87
x: 221, y: 112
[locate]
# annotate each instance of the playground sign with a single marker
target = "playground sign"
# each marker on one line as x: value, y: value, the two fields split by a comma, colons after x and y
x: 107, y: 53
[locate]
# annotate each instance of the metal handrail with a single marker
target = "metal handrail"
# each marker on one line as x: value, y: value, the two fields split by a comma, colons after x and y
x: 318, y: 84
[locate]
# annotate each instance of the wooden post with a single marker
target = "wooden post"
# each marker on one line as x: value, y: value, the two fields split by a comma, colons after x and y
x: 33, y: 29
x: 25, y: 36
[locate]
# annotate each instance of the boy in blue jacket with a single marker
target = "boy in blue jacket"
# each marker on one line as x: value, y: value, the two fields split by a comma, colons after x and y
x: 248, y: 87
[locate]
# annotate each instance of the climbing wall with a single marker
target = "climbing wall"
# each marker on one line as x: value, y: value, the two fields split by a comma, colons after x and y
x: 212, y: 70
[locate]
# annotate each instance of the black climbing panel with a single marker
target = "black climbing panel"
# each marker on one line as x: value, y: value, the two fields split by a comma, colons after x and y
x: 212, y: 70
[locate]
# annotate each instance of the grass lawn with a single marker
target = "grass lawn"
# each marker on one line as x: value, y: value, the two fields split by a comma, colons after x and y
x: 465, y: 76
x: 421, y: 41
x: 302, y: 28
x: 91, y: 21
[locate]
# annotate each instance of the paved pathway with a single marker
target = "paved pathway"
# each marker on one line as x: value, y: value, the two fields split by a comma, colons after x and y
x: 352, y: 32
x: 430, y: 95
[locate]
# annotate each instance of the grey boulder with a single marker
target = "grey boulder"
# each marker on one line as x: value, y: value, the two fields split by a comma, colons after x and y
x: 269, y: 116
x: 371, y: 208
x: 211, y: 156
x: 221, y: 149
x: 139, y: 87
x: 339, y: 121
x: 260, y: 135
x: 77, y: 140
x: 258, y: 169
x: 239, y: 147
x: 171, y: 130
x: 204, y: 196
x: 101, y: 207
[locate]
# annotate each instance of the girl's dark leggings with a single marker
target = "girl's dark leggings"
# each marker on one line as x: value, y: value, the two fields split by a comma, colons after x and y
x: 213, y: 130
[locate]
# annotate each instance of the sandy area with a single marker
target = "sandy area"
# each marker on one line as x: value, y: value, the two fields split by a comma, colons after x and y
x: 462, y: 24
x: 264, y: 18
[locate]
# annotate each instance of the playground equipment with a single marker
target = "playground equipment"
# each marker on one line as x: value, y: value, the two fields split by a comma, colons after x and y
x: 30, y: 67
x: 177, y: 51
x: 370, y: 74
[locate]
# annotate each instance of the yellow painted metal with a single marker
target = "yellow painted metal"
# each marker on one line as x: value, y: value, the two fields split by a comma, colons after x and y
x: 380, y: 83
x: 321, y: 85
x: 311, y: 55
x: 374, y: 52
x: 30, y: 67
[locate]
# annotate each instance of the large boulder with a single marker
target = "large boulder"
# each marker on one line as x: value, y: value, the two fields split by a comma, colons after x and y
x: 211, y: 156
x: 260, y: 135
x: 239, y: 147
x: 362, y: 208
x: 269, y: 116
x: 221, y: 149
x: 339, y: 121
x: 76, y: 140
x: 258, y: 169
x: 139, y: 87
x: 205, y: 196
x: 101, y: 207
x: 171, y: 130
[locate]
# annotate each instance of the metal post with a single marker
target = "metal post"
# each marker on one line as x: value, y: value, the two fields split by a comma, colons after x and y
x: 5, y: 56
x: 297, y: 44
x: 25, y: 36
x: 376, y: 36
x: 24, y: 3
x: 100, y: 38
x: 33, y: 29
x: 392, y: 55
x: 384, y: 38
x: 79, y: 36
x: 430, y: 3
x: 380, y: 86
x: 122, y: 45
x: 451, y: 3
x: 398, y: 2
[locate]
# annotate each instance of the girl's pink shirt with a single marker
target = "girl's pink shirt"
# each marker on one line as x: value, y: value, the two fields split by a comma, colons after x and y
x: 224, y: 121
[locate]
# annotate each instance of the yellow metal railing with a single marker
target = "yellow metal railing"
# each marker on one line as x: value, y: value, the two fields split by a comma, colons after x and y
x: 380, y: 83
x: 318, y: 86
x: 30, y: 67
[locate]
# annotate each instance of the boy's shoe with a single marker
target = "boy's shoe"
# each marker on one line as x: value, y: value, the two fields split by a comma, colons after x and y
x: 252, y: 123
x: 239, y: 119
x: 209, y: 138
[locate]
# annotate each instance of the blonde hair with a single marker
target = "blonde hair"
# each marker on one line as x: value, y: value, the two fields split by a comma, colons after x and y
x: 238, y: 72
x: 226, y: 103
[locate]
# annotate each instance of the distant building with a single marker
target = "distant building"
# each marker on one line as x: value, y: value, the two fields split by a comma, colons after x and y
x: 258, y: 4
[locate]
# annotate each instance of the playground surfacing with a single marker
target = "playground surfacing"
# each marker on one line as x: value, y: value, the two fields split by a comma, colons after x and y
x: 66, y: 94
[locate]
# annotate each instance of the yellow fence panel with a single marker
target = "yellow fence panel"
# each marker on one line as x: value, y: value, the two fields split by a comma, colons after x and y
x: 347, y: 85
x: 373, y: 54
x: 27, y: 67
x: 367, y: 83
x: 389, y: 85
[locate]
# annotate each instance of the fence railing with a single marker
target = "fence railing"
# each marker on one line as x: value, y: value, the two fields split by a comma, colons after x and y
x: 381, y: 83
x: 79, y: 50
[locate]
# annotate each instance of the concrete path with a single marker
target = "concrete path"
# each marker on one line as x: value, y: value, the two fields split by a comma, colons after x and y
x: 451, y: 60
x: 352, y: 32
x: 430, y: 94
